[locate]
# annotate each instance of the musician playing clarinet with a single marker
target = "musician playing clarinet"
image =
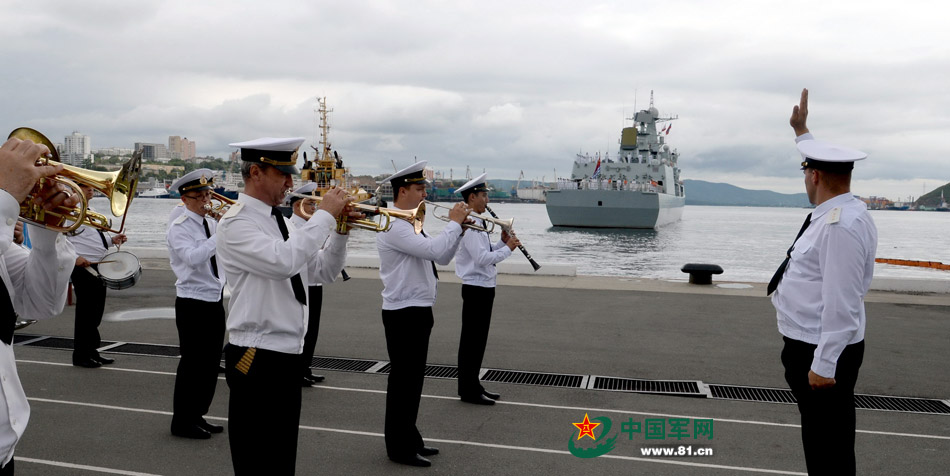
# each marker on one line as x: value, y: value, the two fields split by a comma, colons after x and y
x: 475, y: 264
x: 199, y: 305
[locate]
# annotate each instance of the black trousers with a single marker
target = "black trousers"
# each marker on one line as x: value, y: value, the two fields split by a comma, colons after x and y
x: 90, y: 304
x: 407, y: 340
x: 828, y: 416
x: 200, y: 336
x: 315, y: 300
x: 476, y: 319
x: 264, y: 412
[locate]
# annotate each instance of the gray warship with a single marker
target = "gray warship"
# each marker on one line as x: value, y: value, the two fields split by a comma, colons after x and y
x: 638, y: 188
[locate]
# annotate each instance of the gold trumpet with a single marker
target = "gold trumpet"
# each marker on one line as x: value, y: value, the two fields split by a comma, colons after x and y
x: 381, y: 224
x: 219, y: 205
x: 491, y: 222
x: 118, y: 186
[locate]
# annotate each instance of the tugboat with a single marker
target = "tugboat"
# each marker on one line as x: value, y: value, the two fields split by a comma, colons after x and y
x: 639, y: 188
x: 326, y: 169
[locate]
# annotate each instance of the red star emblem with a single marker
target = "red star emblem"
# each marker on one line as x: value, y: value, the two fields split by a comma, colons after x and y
x: 586, y: 427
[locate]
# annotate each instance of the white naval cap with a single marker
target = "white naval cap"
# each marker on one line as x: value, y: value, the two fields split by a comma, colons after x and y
x: 279, y: 152
x: 194, y: 181
x: 305, y: 189
x: 475, y: 185
x: 409, y: 175
x: 824, y: 156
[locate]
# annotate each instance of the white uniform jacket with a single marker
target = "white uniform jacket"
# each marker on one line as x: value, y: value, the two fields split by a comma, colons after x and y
x: 820, y: 299
x: 476, y: 258
x: 405, y: 263
x: 258, y: 265
x: 190, y: 252
x: 37, y: 284
x: 88, y: 243
x: 296, y: 223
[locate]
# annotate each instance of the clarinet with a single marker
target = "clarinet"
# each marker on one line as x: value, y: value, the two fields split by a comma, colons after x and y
x: 534, y: 264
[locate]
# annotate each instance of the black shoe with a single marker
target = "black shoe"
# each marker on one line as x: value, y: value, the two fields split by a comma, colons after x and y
x: 88, y: 362
x: 103, y: 360
x: 412, y: 460
x: 210, y: 427
x: 314, y: 378
x: 491, y: 395
x: 194, y: 432
x: 305, y: 382
x: 428, y: 451
x: 478, y: 399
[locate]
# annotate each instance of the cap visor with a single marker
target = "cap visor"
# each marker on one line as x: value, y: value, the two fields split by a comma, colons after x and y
x: 287, y: 169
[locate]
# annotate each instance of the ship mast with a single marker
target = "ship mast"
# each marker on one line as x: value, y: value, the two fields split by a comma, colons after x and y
x: 324, y: 129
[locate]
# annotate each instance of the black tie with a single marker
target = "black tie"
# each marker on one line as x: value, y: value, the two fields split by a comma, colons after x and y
x: 435, y: 272
x: 773, y: 284
x: 8, y: 315
x: 299, y: 292
x: 214, y: 262
x: 103, y: 237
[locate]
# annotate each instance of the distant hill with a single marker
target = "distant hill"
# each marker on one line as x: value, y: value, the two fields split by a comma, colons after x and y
x: 699, y: 192
x: 931, y: 199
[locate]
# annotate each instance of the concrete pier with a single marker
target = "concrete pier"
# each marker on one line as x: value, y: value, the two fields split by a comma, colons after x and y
x: 115, y: 420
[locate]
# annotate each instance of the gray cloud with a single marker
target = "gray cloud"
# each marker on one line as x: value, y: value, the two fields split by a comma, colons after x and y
x: 501, y: 86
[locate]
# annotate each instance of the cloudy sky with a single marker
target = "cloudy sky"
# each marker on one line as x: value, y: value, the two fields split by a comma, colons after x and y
x: 500, y: 86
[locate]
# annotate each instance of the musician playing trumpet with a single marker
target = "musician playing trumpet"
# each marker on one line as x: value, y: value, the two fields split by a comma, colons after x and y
x: 475, y: 264
x: 407, y: 268
x: 33, y: 284
x: 92, y: 244
x: 199, y: 305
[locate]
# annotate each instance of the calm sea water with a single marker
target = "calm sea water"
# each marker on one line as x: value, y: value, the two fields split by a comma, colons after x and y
x: 748, y: 242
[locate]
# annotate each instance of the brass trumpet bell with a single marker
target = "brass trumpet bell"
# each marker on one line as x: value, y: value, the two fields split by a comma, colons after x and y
x: 118, y: 186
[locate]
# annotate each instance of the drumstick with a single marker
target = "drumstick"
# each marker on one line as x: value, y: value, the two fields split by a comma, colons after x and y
x: 101, y: 262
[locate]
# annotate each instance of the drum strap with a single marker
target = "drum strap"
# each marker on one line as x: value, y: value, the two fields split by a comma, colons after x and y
x: 295, y: 282
x: 8, y: 316
x: 214, y: 262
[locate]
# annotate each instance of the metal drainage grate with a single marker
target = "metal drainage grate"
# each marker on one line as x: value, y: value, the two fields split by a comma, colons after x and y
x: 664, y: 387
x: 533, y: 378
x: 435, y: 371
x: 861, y: 401
x: 752, y: 394
x: 146, y: 349
x: 347, y: 365
x: 901, y: 404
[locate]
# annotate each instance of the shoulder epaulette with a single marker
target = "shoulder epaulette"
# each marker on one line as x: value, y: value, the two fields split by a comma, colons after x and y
x: 233, y: 210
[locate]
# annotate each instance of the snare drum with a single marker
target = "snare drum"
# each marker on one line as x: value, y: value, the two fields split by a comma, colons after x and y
x: 123, y: 270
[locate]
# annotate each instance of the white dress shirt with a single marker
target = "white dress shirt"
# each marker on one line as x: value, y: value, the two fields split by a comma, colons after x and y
x: 88, y: 243
x: 190, y: 252
x: 820, y: 299
x: 37, y: 284
x: 258, y: 265
x: 476, y: 258
x: 297, y: 222
x: 405, y: 263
